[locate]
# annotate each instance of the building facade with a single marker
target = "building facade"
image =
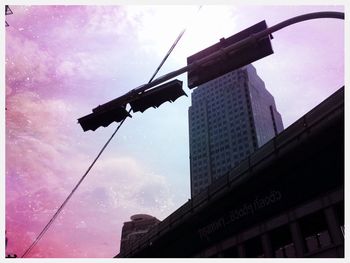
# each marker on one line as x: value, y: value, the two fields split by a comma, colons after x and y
x: 133, y: 230
x: 285, y: 200
x: 230, y: 117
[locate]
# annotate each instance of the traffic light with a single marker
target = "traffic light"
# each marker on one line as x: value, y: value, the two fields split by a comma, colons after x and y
x: 229, y: 61
x: 169, y: 91
x: 115, y: 110
x: 103, y: 118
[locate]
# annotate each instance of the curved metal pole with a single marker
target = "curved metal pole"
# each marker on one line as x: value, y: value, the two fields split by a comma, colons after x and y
x: 240, y: 44
x: 301, y: 18
x: 251, y: 40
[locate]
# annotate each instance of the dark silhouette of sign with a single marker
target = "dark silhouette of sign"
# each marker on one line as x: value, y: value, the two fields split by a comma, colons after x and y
x: 228, y: 61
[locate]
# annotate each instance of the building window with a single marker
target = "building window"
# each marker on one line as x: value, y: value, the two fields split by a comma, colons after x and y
x: 282, y: 243
x: 253, y: 248
x: 315, y: 232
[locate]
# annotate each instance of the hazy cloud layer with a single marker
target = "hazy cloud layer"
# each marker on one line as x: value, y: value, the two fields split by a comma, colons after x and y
x: 44, y: 158
x: 62, y: 61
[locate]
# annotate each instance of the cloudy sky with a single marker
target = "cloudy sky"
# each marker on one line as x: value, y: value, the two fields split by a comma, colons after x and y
x: 62, y: 61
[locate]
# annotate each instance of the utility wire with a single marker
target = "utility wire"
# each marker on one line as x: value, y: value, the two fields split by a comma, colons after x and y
x: 71, y: 193
x: 170, y: 50
x: 98, y: 155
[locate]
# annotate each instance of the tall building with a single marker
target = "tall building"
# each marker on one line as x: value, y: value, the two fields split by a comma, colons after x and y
x: 133, y: 230
x: 230, y: 117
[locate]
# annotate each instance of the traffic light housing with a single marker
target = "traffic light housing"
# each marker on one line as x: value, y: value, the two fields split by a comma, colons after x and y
x: 115, y: 110
x: 229, y: 61
x: 103, y: 118
x: 169, y: 91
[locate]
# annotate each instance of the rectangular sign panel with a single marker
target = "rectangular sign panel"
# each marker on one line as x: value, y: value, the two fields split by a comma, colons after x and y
x: 228, y: 62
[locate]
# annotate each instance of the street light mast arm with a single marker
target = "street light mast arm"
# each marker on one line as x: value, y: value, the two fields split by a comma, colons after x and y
x: 251, y: 40
x: 254, y: 38
x: 244, y: 42
x: 301, y: 18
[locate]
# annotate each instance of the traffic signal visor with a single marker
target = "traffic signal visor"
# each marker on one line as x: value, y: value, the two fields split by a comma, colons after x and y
x: 169, y: 91
x: 103, y: 118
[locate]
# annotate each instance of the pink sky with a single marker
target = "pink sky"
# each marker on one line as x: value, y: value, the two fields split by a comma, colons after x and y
x: 62, y: 61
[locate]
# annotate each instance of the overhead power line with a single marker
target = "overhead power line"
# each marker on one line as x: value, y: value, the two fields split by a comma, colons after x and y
x: 170, y: 50
x: 47, y: 226
x: 71, y: 194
